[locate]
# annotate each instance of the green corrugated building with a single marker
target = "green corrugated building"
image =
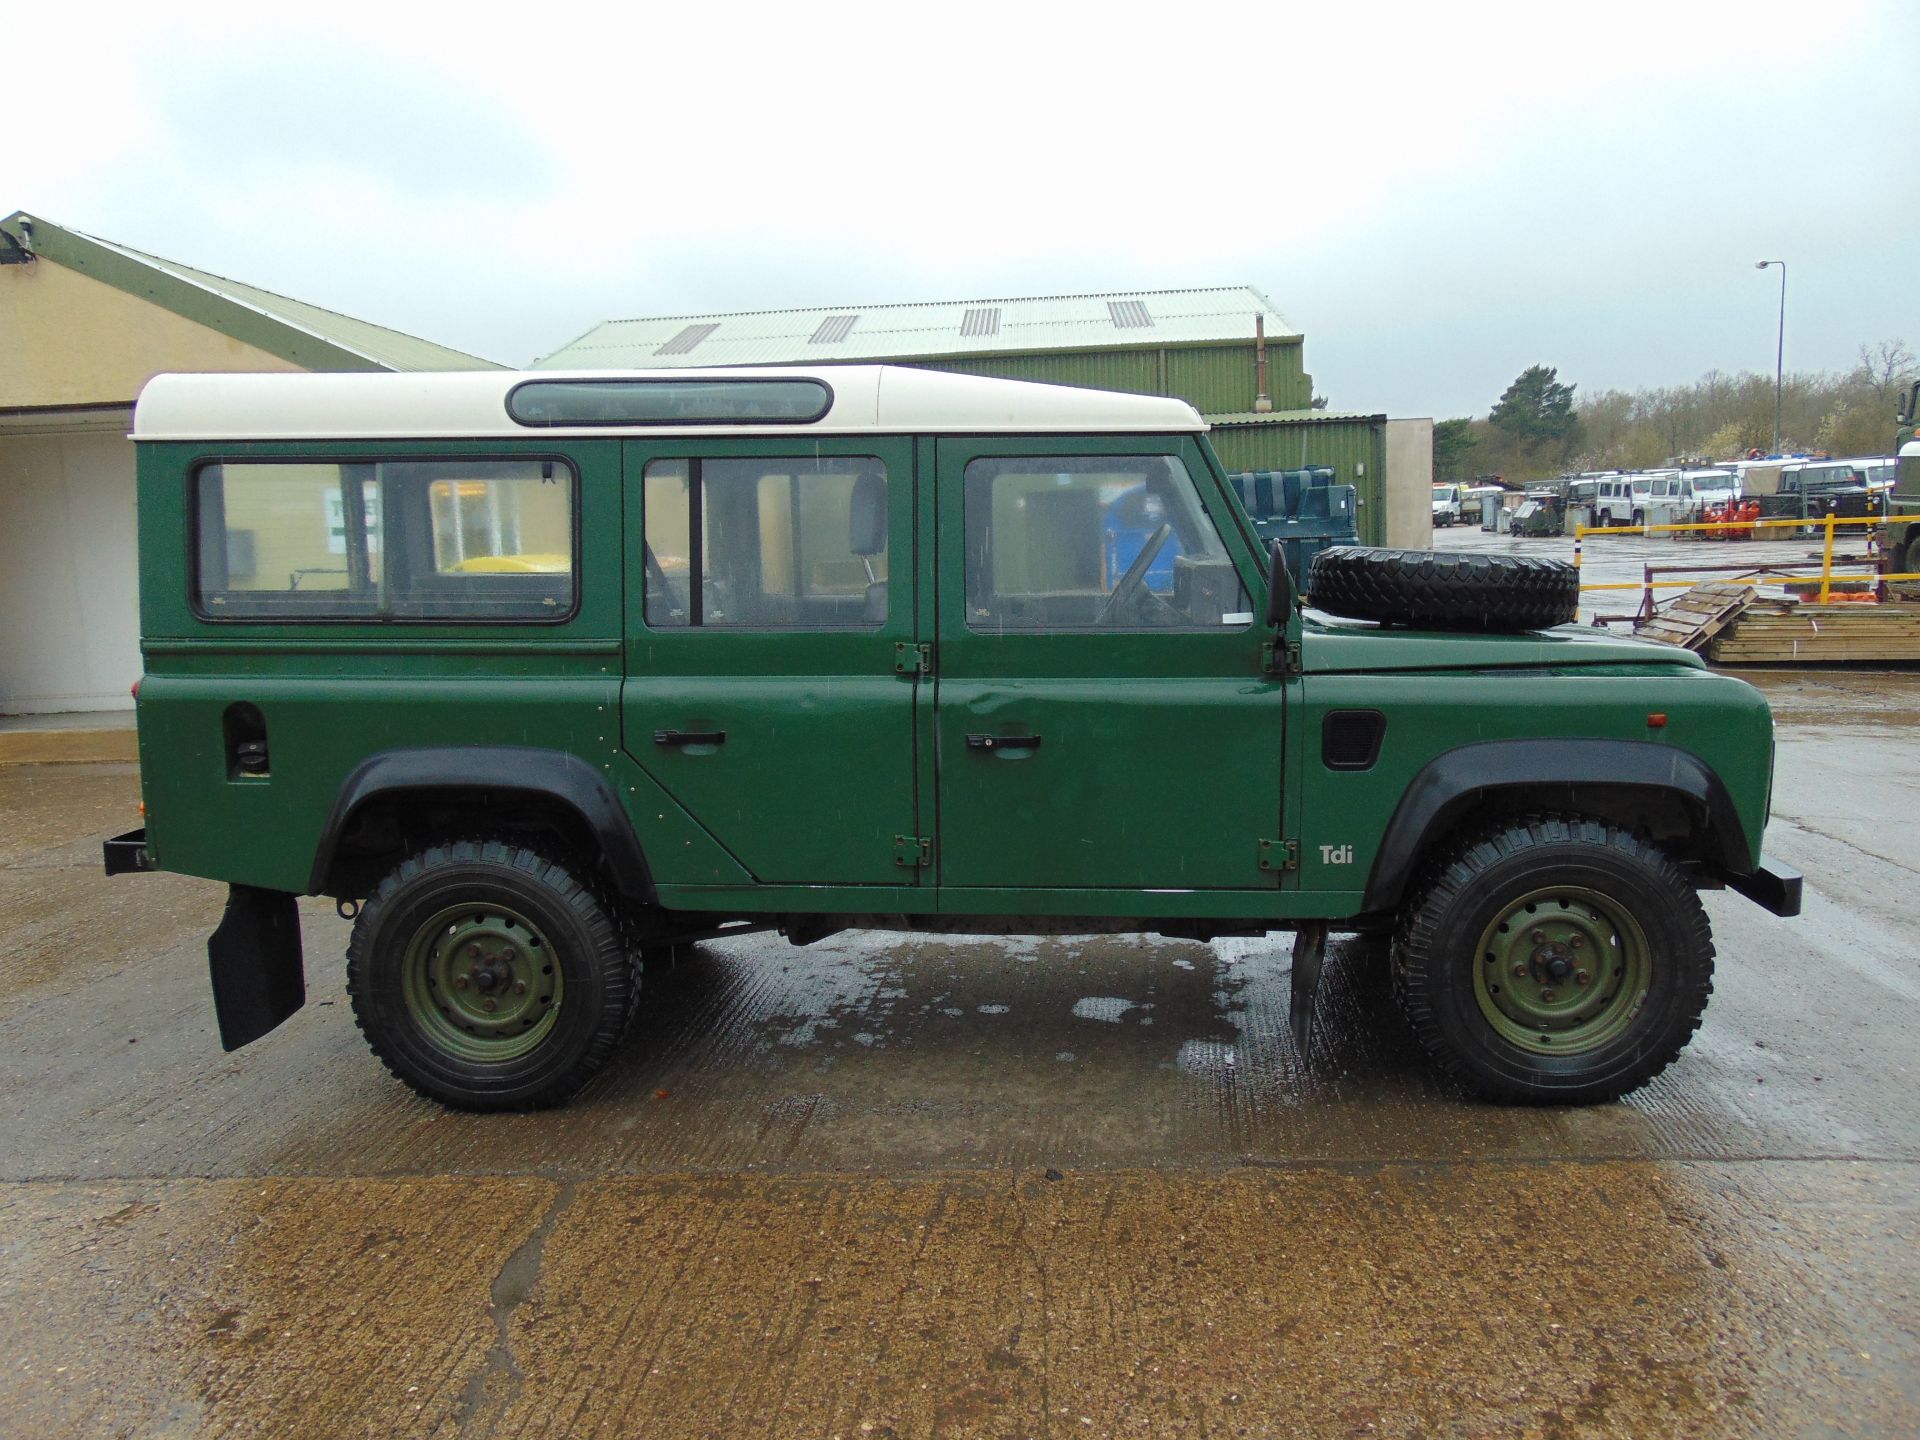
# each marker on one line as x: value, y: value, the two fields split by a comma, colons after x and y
x: 1205, y: 346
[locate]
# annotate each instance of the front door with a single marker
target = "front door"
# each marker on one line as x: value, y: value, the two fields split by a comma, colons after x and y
x: 765, y: 687
x: 1103, y: 718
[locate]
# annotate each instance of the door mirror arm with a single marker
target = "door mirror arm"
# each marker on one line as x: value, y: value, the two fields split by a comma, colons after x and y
x: 1281, y: 597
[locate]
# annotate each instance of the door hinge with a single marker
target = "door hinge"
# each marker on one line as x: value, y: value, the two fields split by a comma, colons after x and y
x: 1279, y: 854
x: 1280, y: 657
x: 913, y: 851
x: 911, y: 659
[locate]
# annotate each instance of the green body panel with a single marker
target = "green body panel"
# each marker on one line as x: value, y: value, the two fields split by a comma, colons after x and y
x: 265, y: 831
x: 1169, y: 758
x: 1115, y: 796
x: 1723, y: 721
x: 816, y: 775
x: 1335, y: 644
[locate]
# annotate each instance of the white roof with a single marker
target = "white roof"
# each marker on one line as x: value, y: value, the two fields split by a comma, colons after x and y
x: 867, y: 399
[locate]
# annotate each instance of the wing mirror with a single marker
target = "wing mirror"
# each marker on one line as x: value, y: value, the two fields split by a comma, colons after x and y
x: 1281, y: 596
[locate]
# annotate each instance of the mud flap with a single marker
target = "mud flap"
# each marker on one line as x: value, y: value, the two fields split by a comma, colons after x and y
x: 254, y: 956
x: 1309, y: 950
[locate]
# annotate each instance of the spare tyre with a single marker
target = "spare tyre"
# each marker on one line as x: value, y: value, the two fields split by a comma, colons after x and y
x: 1441, y: 590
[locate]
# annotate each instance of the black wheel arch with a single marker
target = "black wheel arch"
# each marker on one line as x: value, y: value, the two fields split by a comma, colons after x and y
x: 1635, y: 783
x: 496, y: 788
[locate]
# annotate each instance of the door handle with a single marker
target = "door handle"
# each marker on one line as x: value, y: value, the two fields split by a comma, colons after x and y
x: 689, y: 737
x: 1003, y: 742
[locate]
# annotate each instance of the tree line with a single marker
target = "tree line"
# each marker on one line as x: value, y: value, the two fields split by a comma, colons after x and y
x: 1538, y: 429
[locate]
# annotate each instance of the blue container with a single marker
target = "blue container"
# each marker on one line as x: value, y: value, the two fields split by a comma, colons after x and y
x: 1129, y: 523
x: 1301, y: 509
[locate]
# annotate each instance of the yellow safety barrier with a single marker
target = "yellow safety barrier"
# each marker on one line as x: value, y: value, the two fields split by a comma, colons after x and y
x: 1580, y: 530
x: 1827, y: 524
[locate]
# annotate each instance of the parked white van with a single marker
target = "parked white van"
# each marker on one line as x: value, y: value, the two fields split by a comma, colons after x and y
x: 1678, y: 497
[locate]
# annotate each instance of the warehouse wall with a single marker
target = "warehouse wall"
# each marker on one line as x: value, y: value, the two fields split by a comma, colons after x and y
x: 68, y: 574
x: 1214, y: 379
x: 68, y: 339
x: 1409, y: 490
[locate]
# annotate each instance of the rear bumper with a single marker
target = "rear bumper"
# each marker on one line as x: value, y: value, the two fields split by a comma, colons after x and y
x: 126, y: 854
x: 1771, y: 885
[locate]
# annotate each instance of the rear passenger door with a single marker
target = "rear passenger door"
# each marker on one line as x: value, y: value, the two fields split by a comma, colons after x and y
x: 770, y: 638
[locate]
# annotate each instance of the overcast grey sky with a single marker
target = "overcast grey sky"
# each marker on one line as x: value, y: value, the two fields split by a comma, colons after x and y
x: 1438, y: 195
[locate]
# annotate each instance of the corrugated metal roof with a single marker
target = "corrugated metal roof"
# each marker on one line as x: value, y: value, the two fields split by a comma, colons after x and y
x: 1145, y: 318
x: 293, y: 329
x: 393, y: 349
x: 1290, y: 417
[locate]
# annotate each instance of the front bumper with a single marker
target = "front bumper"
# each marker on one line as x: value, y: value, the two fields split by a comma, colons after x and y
x: 1771, y: 885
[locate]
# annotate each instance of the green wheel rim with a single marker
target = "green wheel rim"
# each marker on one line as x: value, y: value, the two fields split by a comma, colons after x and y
x: 482, y: 982
x: 1562, y: 971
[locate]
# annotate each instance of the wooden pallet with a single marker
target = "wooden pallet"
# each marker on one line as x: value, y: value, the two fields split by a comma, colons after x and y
x: 1774, y: 633
x: 1699, y: 615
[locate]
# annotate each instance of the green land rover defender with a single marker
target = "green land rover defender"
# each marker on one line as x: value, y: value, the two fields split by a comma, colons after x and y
x: 535, y: 674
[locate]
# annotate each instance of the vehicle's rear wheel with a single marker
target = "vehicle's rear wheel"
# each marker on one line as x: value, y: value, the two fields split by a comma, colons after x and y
x: 1912, y: 565
x: 489, y: 977
x: 1555, y: 960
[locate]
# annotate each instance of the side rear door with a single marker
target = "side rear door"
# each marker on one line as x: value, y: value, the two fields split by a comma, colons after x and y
x: 1103, y: 718
x: 770, y: 611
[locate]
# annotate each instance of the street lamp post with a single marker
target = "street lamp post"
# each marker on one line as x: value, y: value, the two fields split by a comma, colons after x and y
x: 1780, y: 346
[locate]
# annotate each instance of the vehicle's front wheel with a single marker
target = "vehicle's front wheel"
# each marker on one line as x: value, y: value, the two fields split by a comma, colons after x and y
x: 489, y: 977
x: 1555, y: 960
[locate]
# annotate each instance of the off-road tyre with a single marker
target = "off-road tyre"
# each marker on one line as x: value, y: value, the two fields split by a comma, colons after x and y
x: 1450, y: 928
x: 559, y: 926
x: 1444, y: 590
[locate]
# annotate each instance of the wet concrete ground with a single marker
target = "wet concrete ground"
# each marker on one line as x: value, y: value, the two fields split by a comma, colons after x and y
x: 812, y: 1197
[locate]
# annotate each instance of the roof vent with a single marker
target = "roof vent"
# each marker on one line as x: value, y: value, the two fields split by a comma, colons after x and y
x: 981, y: 322
x: 686, y: 340
x: 832, y: 330
x: 1129, y: 315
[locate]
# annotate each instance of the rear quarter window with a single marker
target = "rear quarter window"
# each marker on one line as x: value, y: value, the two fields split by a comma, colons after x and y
x: 471, y: 540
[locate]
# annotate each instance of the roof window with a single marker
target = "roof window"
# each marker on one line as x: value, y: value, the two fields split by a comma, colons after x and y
x: 670, y: 402
x: 691, y: 336
x: 981, y: 322
x: 832, y: 330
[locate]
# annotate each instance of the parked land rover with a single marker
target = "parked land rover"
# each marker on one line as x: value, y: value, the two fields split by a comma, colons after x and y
x: 536, y: 674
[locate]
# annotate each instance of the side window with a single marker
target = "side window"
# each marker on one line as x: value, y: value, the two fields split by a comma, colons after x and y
x: 382, y: 540
x: 1094, y: 542
x: 779, y: 543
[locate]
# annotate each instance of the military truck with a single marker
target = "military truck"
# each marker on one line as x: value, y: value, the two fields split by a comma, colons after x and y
x: 1810, y: 490
x: 537, y: 676
x: 1900, y: 536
